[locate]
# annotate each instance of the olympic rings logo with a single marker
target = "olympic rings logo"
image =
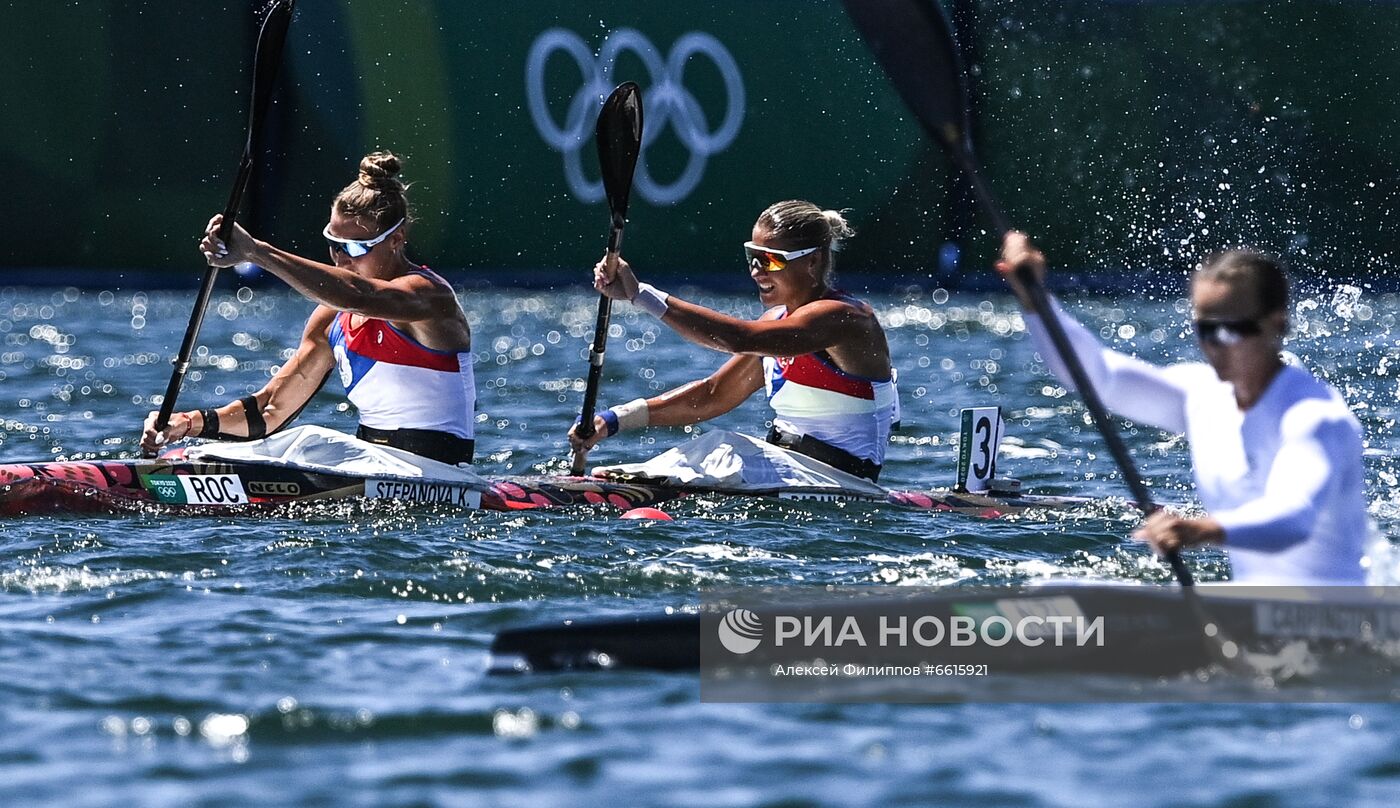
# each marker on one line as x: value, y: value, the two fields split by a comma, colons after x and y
x: 668, y: 103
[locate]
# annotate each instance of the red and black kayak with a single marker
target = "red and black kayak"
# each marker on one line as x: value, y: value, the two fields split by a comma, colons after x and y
x: 113, y: 486
x: 196, y: 480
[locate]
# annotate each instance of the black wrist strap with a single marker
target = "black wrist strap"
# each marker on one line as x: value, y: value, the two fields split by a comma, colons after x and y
x: 257, y: 427
x: 210, y: 417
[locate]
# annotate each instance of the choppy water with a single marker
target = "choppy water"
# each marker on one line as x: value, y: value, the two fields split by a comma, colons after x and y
x: 337, y: 656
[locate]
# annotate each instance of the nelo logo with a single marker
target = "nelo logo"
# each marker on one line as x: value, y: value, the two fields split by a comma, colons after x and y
x: 740, y: 631
x: 667, y: 101
x: 274, y: 489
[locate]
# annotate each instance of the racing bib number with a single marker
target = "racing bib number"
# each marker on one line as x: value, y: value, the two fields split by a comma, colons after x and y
x: 977, y: 449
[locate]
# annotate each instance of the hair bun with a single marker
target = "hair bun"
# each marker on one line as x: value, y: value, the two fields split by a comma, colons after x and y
x: 379, y: 169
x: 840, y: 228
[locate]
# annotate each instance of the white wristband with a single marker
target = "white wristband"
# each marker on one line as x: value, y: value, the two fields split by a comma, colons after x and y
x: 652, y: 301
x: 632, y: 415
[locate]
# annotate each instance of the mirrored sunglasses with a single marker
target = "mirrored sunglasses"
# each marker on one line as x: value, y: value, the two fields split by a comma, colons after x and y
x: 1226, y: 332
x: 353, y: 247
x: 769, y: 259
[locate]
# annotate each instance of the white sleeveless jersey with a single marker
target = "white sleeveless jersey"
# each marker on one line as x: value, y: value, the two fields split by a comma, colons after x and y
x: 811, y: 396
x: 398, y: 383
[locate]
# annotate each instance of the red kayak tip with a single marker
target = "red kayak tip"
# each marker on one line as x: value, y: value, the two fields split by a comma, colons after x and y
x: 648, y: 513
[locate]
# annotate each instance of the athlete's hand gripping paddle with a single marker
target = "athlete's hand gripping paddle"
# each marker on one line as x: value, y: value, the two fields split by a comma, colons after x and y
x: 619, y: 136
x: 266, y: 60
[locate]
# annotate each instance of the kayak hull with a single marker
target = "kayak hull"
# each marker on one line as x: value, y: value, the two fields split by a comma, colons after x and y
x: 202, y: 486
x: 1144, y: 630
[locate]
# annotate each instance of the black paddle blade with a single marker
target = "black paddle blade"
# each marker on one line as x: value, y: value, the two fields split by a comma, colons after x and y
x: 913, y: 41
x: 619, y: 136
x: 267, y: 59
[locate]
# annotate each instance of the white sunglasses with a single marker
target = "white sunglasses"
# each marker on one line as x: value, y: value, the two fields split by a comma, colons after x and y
x: 771, y: 259
x: 353, y: 247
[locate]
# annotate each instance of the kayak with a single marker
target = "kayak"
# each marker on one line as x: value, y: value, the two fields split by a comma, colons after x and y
x: 1140, y: 629
x: 314, y: 464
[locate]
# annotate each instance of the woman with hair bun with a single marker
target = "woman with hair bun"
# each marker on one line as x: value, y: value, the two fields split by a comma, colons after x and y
x: 820, y: 353
x: 393, y: 330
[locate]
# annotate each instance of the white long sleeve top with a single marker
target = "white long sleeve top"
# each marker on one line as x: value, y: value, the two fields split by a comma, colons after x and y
x: 1283, y: 477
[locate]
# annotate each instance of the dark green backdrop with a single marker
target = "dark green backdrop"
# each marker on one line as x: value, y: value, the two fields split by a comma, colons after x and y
x: 1121, y: 134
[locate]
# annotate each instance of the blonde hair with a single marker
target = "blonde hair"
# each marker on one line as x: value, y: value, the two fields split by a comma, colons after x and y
x: 377, y: 193
x: 803, y: 224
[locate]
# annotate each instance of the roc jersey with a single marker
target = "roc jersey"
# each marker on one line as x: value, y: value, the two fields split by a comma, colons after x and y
x: 811, y: 396
x: 398, y: 383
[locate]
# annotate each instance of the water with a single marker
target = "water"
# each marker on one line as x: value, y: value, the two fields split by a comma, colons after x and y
x: 336, y: 655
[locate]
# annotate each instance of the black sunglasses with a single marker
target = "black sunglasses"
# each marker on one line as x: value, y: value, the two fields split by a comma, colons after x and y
x: 1226, y: 332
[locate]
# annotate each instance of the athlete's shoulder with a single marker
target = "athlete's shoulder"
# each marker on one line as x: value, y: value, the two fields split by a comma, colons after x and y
x: 424, y: 278
x: 322, y: 322
x: 837, y: 304
x: 1195, y: 376
x: 428, y: 273
x: 846, y: 298
x: 1312, y: 404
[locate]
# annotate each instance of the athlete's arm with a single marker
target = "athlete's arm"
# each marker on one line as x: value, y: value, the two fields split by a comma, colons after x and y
x: 1308, y: 465
x: 277, y: 403
x: 406, y: 299
x: 1132, y: 388
x: 691, y: 403
x: 710, y: 397
x: 814, y: 327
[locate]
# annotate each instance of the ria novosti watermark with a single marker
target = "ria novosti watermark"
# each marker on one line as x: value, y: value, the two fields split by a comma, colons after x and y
x: 740, y: 632
x: 980, y: 643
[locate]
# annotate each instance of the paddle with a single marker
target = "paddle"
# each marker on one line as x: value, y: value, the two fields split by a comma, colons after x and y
x: 913, y: 40
x: 266, y: 59
x: 619, y: 135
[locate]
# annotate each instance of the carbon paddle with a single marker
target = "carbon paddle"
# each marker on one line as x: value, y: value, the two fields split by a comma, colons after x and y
x: 266, y: 60
x: 619, y: 136
x: 913, y: 41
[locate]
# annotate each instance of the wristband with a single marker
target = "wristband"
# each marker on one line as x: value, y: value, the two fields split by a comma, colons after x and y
x: 651, y: 300
x: 610, y: 421
x: 632, y: 415
x: 211, y: 423
x: 257, y: 427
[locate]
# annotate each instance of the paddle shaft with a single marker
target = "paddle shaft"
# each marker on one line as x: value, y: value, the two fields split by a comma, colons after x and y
x: 619, y: 137
x: 1040, y: 302
x: 598, y: 350
x: 206, y: 289
x: 267, y: 58
x: 961, y: 154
